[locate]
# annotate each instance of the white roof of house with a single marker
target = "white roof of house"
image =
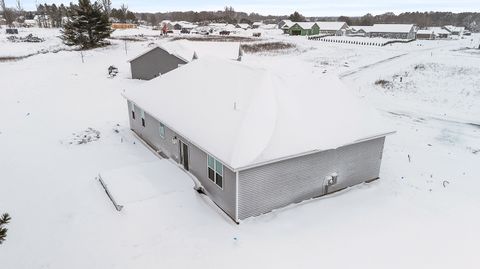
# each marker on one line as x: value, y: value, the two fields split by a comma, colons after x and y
x: 452, y: 28
x: 330, y: 25
x: 287, y: 24
x: 243, y: 25
x: 391, y: 28
x: 185, y: 49
x: 185, y: 24
x: 424, y: 32
x: 246, y: 116
x: 365, y: 28
x: 439, y: 30
x: 305, y: 25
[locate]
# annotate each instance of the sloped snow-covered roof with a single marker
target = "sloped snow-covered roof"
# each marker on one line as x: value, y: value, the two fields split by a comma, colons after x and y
x: 391, y: 28
x: 330, y: 25
x: 185, y: 49
x: 439, y: 31
x: 287, y: 24
x: 454, y: 29
x: 246, y: 116
x: 365, y: 28
x: 305, y: 25
x: 424, y: 32
x: 243, y: 25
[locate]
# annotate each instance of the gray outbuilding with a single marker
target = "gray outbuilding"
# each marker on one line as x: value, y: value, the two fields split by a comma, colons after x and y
x: 155, y: 62
x: 393, y: 31
x: 168, y: 56
x: 257, y: 141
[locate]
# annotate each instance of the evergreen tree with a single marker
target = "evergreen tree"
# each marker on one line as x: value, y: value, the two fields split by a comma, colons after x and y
x: 296, y: 17
x: 4, y: 220
x: 88, y: 25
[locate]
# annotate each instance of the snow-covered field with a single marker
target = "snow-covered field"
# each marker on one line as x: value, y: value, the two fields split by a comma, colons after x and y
x: 424, y: 212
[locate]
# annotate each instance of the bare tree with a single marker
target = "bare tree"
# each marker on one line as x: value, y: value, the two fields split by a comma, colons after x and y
x: 107, y: 6
x: 20, y: 12
x: 124, y: 12
x: 19, y: 6
x: 8, y: 13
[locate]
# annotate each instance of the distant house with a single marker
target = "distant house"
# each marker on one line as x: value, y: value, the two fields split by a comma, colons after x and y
x: 123, y: 26
x: 162, y: 59
x: 30, y: 23
x: 425, y: 34
x: 282, y: 23
x: 393, y: 31
x: 304, y: 28
x: 257, y: 25
x: 454, y: 30
x: 332, y: 27
x: 183, y: 25
x: 358, y: 30
x: 440, y: 33
x: 255, y: 141
x: 285, y: 25
x: 243, y: 26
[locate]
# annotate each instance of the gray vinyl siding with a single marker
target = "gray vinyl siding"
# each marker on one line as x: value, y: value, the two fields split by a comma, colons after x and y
x: 409, y: 35
x: 268, y: 187
x: 224, y: 198
x: 153, y: 63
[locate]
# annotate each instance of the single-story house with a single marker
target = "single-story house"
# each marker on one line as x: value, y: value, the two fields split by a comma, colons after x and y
x: 244, y: 26
x: 183, y: 25
x: 30, y: 23
x: 454, y: 30
x: 162, y: 59
x: 257, y: 25
x: 121, y: 26
x: 336, y: 28
x: 394, y: 31
x: 440, y: 33
x: 425, y: 34
x: 358, y: 30
x: 289, y: 23
x: 254, y: 140
x: 304, y: 28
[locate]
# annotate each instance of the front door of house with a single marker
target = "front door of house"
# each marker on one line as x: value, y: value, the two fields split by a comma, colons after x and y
x: 184, y: 154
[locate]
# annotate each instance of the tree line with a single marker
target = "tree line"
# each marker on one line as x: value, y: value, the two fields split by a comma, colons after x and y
x: 54, y: 13
x: 227, y: 15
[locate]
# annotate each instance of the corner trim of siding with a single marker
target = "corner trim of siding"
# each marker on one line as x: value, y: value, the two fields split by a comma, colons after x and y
x: 236, y: 197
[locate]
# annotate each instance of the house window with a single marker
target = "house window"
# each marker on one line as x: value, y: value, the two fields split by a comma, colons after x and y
x: 143, y: 117
x: 162, y: 131
x: 132, y: 108
x: 215, y: 171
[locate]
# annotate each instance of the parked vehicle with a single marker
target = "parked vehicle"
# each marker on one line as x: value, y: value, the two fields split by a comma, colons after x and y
x: 185, y: 31
x: 12, y: 31
x: 224, y: 32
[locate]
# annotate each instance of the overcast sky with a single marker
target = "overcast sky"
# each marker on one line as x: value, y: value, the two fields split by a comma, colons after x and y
x: 285, y: 7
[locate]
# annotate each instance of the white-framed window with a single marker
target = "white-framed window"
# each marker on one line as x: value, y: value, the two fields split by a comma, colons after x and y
x: 215, y: 171
x: 132, y: 109
x: 161, y: 129
x: 142, y: 113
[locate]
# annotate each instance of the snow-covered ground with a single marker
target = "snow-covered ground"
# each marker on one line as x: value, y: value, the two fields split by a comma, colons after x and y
x: 424, y: 212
